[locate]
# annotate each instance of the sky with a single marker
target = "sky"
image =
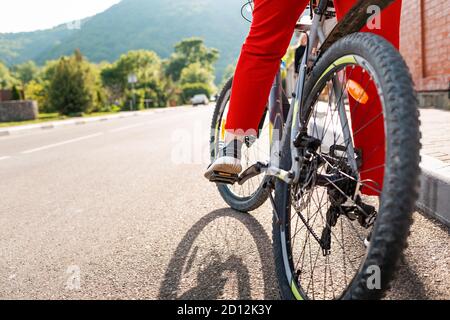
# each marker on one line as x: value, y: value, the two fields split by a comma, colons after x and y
x: 31, y: 15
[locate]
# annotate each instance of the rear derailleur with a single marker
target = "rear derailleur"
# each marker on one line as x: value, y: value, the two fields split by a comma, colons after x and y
x: 365, y: 215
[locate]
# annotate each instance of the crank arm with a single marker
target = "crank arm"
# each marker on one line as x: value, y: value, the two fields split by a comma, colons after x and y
x: 271, y: 171
x: 252, y: 172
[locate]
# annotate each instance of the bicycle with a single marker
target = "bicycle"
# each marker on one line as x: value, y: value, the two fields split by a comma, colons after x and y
x: 340, y: 219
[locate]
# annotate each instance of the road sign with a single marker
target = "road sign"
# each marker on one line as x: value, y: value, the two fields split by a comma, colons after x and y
x: 132, y: 78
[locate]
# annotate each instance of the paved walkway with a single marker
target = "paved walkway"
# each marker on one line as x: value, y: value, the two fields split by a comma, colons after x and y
x: 436, y: 134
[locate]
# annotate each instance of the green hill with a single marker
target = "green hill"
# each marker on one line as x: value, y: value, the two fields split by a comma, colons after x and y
x: 136, y: 24
x: 20, y: 47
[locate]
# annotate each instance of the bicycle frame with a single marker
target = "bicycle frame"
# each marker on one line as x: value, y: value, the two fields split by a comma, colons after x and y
x: 292, y: 128
x: 352, y: 22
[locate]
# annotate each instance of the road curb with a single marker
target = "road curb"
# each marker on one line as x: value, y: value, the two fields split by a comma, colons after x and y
x: 434, y: 198
x: 8, y: 131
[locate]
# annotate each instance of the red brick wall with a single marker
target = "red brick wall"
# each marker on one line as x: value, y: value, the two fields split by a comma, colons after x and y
x: 425, y: 44
x: 5, y: 95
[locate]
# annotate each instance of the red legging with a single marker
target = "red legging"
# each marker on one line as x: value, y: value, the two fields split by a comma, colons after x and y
x: 270, y: 34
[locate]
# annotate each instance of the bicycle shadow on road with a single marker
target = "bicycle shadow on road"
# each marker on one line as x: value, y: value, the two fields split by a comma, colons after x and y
x: 209, y: 280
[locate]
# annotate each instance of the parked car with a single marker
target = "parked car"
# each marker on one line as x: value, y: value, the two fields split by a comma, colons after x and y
x: 199, y: 99
x: 214, y: 98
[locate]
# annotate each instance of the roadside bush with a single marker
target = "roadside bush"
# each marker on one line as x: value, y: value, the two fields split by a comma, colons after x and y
x: 37, y: 92
x: 134, y: 100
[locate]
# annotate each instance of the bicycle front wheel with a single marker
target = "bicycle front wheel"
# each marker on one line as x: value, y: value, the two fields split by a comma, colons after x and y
x: 345, y: 224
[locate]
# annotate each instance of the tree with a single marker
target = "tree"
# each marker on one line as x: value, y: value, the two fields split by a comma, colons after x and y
x: 195, y: 73
x: 73, y: 88
x: 147, y: 66
x: 48, y: 71
x: 26, y: 72
x: 6, y: 79
x: 187, y: 52
x: 15, y: 93
x: 38, y: 89
x: 196, y: 79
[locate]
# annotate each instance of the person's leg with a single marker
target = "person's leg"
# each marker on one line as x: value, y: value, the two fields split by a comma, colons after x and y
x: 371, y: 138
x: 270, y: 34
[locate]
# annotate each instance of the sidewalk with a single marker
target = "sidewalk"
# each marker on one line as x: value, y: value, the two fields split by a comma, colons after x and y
x: 436, y: 134
x: 435, y: 180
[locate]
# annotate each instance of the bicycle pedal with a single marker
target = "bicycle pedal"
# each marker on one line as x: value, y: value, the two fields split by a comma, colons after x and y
x: 224, y: 177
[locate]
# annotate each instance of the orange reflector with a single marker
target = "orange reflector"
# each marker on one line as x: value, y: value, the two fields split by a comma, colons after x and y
x: 357, y: 92
x: 222, y: 130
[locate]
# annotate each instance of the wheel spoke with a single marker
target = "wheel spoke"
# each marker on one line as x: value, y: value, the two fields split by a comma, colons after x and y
x: 325, y: 274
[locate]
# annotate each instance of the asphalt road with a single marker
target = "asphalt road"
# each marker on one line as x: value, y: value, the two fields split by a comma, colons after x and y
x: 120, y: 210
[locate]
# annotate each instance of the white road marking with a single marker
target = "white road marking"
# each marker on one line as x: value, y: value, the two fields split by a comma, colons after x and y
x: 4, y: 158
x: 128, y: 127
x: 137, y: 125
x: 54, y: 145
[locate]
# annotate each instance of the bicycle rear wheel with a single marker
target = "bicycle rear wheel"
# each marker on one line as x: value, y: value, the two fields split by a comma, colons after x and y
x: 250, y: 195
x: 342, y: 229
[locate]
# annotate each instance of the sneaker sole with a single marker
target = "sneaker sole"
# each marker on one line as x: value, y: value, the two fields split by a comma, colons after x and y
x: 231, y: 169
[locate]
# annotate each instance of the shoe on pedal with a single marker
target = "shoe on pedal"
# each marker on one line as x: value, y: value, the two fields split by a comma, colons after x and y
x: 227, y: 166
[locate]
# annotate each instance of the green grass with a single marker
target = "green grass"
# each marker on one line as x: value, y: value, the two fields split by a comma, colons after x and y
x: 46, y: 117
